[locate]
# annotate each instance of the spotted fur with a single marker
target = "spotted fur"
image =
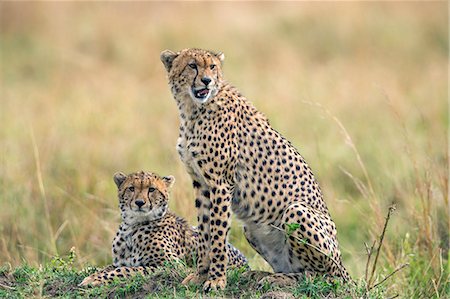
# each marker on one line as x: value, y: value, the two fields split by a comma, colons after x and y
x: 150, y: 234
x: 239, y: 163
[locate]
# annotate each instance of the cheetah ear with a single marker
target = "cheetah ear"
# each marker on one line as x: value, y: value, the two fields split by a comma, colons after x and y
x: 167, y: 58
x: 119, y: 178
x: 169, y: 180
x: 221, y: 56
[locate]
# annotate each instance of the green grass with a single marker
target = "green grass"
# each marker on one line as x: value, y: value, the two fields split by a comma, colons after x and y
x: 359, y: 88
x: 59, y: 279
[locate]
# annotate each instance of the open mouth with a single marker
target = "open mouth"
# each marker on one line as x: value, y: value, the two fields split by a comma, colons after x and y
x: 200, y: 94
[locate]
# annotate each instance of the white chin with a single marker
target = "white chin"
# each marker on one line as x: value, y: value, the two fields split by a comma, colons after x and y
x: 148, y: 216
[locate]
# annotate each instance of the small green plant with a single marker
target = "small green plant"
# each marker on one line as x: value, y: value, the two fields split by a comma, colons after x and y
x: 291, y: 228
x: 58, y: 263
x: 316, y: 287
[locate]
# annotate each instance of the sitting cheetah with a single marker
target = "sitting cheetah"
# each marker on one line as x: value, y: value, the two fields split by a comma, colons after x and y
x: 239, y: 163
x: 150, y: 234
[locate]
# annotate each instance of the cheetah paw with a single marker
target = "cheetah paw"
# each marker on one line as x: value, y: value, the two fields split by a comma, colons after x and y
x: 90, y: 281
x: 214, y: 284
x: 194, y: 278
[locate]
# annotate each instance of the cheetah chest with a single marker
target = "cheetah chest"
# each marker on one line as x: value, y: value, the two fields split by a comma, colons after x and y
x: 134, y: 250
x: 133, y: 247
x: 188, y: 152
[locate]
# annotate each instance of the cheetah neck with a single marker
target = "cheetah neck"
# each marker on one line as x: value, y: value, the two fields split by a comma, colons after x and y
x: 188, y: 109
x: 130, y: 222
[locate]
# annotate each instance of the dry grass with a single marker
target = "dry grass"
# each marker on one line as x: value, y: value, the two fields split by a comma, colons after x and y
x: 84, y: 95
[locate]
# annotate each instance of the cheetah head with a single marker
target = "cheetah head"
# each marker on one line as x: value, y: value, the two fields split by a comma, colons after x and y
x: 143, y: 196
x: 194, y: 73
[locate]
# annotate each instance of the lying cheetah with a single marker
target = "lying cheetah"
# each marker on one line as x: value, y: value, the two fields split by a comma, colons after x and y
x: 239, y: 163
x: 150, y: 234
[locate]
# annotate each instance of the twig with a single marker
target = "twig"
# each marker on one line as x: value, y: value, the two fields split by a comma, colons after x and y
x: 6, y: 287
x: 369, y: 256
x: 380, y: 243
x: 388, y: 276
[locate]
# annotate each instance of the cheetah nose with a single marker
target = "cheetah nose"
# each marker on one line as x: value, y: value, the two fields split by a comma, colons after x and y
x: 206, y: 80
x: 139, y: 203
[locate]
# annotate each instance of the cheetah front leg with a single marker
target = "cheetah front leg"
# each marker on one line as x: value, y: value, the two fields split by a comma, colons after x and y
x: 202, y: 203
x: 219, y: 226
x: 111, y: 273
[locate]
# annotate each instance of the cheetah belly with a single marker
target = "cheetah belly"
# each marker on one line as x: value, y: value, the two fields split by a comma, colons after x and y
x: 271, y: 244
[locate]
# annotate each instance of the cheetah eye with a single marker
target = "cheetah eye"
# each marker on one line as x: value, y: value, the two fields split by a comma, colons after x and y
x: 212, y: 66
x: 193, y: 66
x: 151, y: 189
x: 131, y: 189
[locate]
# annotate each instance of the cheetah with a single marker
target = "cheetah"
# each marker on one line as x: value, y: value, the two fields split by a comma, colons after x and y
x: 150, y: 234
x: 238, y: 163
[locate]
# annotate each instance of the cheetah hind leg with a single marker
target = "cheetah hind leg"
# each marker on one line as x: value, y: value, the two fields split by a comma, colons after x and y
x: 311, y: 237
x: 110, y: 273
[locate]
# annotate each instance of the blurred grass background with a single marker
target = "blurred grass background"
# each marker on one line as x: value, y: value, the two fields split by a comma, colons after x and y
x: 359, y: 88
